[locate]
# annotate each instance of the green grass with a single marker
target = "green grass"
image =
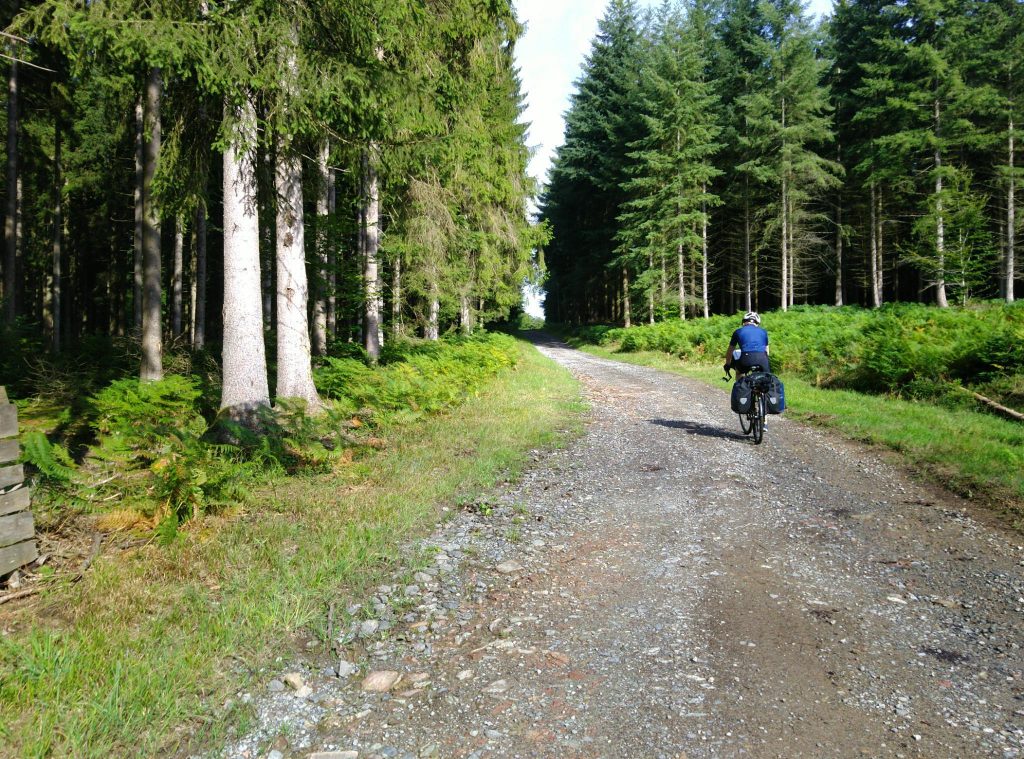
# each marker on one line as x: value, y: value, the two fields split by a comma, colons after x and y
x: 138, y: 658
x: 973, y: 453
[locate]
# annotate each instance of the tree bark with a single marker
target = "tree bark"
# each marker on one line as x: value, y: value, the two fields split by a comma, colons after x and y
x: 1008, y: 265
x: 58, y: 241
x: 873, y: 248
x: 396, y: 298
x: 940, y: 232
x: 371, y: 275
x: 682, y: 282
x: 199, y: 279
x: 785, y: 250
x: 319, y: 325
x: 432, y: 331
x: 465, y: 318
x: 626, y: 313
x: 839, y: 249
x: 140, y: 161
x: 244, y: 389
x: 11, y: 218
x: 332, y: 259
x: 746, y: 249
x: 152, y: 341
x: 650, y: 289
x: 704, y: 258
x: 178, y: 279
x: 294, y: 364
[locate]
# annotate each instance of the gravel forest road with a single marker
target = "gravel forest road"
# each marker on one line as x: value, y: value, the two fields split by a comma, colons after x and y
x: 672, y: 590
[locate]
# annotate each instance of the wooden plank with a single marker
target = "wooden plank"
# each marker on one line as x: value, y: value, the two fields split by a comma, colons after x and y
x: 8, y: 420
x: 16, y: 528
x: 11, y: 475
x: 17, y: 556
x: 14, y: 500
x: 9, y: 450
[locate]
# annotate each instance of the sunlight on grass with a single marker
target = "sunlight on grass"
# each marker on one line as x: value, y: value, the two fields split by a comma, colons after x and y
x: 149, y: 645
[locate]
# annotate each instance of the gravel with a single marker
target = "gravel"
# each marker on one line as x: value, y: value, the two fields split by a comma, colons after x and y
x: 664, y: 588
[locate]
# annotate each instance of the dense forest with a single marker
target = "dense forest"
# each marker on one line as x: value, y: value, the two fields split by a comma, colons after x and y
x: 265, y: 182
x: 732, y: 154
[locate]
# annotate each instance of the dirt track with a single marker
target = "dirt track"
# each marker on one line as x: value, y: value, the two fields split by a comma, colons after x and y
x: 685, y: 593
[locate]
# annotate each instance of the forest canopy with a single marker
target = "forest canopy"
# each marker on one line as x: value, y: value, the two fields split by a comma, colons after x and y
x: 736, y: 154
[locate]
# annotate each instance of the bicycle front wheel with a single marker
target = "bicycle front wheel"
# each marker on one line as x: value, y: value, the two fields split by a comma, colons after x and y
x: 746, y: 423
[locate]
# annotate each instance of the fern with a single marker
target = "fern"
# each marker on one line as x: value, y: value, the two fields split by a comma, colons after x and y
x: 53, y: 461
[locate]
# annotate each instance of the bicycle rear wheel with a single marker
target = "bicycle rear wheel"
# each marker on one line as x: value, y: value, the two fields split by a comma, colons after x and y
x: 757, y: 423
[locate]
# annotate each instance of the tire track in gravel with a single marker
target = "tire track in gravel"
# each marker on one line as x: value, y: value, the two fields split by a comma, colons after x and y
x: 684, y: 593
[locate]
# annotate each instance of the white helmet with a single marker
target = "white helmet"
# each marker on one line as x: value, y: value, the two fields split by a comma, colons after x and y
x: 751, y: 316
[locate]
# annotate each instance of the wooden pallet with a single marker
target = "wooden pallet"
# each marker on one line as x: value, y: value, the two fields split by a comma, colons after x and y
x: 17, y: 527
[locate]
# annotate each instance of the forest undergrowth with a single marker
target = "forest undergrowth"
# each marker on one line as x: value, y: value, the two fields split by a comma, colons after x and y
x: 903, y: 376
x: 217, y: 556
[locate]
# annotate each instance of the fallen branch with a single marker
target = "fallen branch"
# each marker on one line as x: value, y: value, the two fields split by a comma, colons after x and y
x: 997, y: 406
x: 20, y: 594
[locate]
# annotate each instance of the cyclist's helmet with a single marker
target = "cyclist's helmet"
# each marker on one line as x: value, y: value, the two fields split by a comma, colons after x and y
x: 752, y: 318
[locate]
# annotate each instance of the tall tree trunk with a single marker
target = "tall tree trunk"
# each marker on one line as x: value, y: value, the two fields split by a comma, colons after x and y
x: 664, y: 280
x: 244, y: 390
x: 371, y: 275
x: 682, y: 281
x: 267, y: 203
x: 626, y: 312
x: 746, y: 251
x: 465, y: 319
x: 152, y: 341
x: 432, y: 331
x: 839, y: 249
x: 319, y: 325
x: 199, y: 279
x: 178, y: 278
x: 11, y: 218
x: 1011, y: 229
x: 294, y: 364
x: 140, y: 161
x: 940, y: 230
x: 58, y: 241
x: 791, y: 211
x: 650, y: 289
x: 880, y: 249
x: 876, y: 300
x: 785, y: 249
x: 704, y: 258
x: 396, y: 298
x: 332, y: 258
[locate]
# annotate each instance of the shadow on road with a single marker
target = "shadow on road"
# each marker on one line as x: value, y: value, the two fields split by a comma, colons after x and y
x: 696, y: 428
x: 544, y: 338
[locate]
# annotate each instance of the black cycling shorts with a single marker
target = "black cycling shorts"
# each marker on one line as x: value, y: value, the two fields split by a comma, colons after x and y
x: 749, y: 360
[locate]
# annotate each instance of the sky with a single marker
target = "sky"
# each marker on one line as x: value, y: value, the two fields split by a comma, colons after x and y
x: 550, y: 57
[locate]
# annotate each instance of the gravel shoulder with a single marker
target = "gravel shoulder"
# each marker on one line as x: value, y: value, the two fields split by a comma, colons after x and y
x: 664, y: 588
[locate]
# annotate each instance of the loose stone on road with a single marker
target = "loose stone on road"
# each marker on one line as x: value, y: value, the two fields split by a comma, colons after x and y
x: 663, y: 588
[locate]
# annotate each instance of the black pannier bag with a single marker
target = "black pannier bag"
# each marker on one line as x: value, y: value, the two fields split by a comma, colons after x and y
x: 775, y: 397
x: 742, y: 396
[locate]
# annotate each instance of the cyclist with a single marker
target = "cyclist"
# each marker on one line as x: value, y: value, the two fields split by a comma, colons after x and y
x: 750, y: 342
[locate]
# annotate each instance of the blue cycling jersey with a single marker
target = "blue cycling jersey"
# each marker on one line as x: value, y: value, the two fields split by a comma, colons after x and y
x: 751, y: 339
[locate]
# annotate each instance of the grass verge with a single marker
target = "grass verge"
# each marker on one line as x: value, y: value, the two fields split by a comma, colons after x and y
x: 974, y: 454
x: 138, y: 658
